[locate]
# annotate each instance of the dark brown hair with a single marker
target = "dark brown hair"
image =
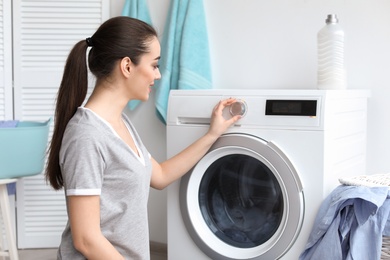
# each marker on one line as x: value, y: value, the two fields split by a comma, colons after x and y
x: 115, y: 39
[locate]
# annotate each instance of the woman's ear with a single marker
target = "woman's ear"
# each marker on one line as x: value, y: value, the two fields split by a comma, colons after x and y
x: 126, y: 66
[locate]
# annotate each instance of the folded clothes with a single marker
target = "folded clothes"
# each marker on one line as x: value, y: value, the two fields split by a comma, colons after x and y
x: 8, y: 123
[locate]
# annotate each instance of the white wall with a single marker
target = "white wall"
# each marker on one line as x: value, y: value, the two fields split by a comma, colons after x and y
x: 272, y: 44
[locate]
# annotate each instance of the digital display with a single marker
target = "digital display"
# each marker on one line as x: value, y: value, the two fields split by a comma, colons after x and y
x: 291, y: 108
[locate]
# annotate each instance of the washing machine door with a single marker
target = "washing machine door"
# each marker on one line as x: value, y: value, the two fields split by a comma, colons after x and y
x: 243, y: 200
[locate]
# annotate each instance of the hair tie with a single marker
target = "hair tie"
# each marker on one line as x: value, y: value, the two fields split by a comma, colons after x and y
x: 89, y: 41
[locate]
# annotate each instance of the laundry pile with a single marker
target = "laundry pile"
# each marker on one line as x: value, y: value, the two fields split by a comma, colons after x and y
x: 352, y: 220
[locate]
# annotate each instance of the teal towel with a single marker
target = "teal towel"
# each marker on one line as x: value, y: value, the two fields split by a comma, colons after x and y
x: 185, y: 58
x: 136, y: 9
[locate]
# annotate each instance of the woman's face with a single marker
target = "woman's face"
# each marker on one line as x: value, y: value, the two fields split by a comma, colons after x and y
x: 146, y: 72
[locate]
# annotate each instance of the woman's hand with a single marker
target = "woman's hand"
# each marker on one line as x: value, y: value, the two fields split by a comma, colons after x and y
x: 219, y: 124
x: 172, y: 169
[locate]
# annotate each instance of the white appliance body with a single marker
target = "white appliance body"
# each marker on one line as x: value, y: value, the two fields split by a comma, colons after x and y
x: 256, y: 193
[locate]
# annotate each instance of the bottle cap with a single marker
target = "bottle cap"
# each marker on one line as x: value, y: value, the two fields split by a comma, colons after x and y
x: 332, y: 18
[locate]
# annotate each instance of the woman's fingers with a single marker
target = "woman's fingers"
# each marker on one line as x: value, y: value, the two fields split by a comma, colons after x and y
x: 224, y: 103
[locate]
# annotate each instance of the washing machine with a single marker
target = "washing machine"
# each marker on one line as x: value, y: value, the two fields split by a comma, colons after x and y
x: 256, y: 192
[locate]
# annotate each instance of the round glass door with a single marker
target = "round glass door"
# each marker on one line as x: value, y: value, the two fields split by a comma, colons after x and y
x: 241, y: 200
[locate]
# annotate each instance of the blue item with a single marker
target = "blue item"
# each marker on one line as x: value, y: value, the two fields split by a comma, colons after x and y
x: 136, y: 9
x: 8, y: 123
x: 11, y: 188
x: 23, y: 149
x: 350, y: 224
x: 185, y: 58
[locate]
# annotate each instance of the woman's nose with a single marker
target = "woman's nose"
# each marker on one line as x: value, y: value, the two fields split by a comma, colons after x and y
x: 158, y: 74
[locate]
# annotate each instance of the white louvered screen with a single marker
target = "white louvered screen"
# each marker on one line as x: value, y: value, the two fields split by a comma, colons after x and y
x: 6, y: 112
x: 5, y: 60
x: 44, y: 33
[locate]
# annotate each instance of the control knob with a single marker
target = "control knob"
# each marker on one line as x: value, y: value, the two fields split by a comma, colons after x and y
x: 238, y: 108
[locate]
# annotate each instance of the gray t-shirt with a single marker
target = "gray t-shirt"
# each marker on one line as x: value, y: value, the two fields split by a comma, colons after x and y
x: 95, y: 161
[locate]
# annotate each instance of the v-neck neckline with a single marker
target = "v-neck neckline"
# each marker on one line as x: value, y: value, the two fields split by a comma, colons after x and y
x: 140, y: 155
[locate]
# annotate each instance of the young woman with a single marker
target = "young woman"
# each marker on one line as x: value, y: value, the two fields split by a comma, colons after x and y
x: 96, y: 154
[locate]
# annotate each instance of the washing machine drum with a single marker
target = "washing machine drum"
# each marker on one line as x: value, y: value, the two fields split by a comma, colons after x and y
x: 243, y: 200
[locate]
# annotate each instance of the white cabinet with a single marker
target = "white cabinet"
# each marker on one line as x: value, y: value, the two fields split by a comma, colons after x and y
x: 31, y: 66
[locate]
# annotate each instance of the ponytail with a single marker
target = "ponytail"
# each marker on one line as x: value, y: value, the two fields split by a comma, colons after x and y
x: 115, y: 39
x: 71, y: 95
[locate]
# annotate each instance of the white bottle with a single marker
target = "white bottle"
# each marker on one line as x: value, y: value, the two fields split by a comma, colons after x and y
x: 331, y: 70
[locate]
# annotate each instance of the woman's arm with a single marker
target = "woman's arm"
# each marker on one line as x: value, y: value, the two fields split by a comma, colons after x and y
x: 167, y: 172
x: 84, y: 216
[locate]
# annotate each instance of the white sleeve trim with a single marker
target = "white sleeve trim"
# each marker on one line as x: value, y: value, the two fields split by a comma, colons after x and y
x: 83, y: 192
